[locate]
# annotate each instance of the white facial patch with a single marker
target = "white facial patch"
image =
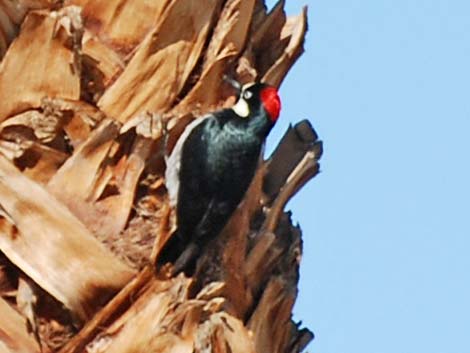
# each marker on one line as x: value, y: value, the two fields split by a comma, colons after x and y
x: 241, y: 108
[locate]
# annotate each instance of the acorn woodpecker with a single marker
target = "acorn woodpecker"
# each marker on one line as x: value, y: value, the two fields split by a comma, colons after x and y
x: 211, y: 168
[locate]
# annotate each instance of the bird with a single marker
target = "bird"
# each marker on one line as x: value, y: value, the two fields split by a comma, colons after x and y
x: 211, y: 167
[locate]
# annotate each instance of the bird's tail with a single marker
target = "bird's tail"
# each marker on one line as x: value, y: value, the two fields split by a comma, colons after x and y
x: 186, y: 262
x: 182, y: 254
x: 171, y: 250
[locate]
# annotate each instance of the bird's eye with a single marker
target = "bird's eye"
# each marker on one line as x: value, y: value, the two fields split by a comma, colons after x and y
x: 247, y: 94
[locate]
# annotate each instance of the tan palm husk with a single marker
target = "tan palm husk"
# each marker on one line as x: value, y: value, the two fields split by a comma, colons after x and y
x: 88, y: 90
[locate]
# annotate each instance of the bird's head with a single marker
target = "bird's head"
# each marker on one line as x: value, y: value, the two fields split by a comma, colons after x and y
x: 254, y: 97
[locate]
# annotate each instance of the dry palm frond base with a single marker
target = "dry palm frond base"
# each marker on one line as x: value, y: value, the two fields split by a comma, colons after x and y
x: 94, y: 93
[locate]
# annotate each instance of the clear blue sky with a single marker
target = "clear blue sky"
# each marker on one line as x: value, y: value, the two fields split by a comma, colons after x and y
x: 386, y: 224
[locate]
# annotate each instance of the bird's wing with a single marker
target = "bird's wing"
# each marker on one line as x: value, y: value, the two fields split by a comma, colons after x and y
x: 173, y: 163
x: 212, y: 222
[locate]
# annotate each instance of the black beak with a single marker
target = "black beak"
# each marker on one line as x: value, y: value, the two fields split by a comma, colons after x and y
x: 234, y: 83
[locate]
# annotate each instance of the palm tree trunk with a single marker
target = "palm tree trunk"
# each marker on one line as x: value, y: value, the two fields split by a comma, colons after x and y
x: 92, y: 93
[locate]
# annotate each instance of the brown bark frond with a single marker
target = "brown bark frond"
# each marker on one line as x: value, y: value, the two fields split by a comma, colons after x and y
x: 94, y: 94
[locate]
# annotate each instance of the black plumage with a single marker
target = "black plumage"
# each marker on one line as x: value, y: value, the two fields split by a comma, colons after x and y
x: 215, y: 165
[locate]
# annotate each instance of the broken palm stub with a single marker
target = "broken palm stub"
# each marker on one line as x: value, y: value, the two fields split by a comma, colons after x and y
x: 88, y: 89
